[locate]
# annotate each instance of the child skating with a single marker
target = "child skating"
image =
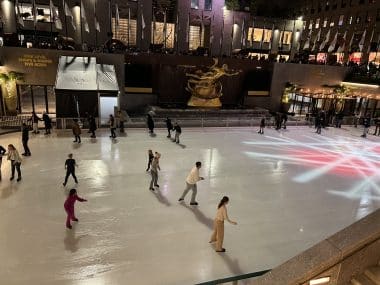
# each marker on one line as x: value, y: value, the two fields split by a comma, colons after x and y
x: 69, y: 207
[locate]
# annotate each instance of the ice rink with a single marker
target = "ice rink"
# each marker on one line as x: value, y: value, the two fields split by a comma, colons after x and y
x: 288, y: 190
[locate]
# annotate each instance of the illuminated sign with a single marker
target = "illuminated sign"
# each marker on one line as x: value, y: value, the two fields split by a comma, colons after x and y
x: 35, y: 60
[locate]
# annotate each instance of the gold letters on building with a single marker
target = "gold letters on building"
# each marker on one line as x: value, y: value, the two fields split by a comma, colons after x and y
x: 35, y: 60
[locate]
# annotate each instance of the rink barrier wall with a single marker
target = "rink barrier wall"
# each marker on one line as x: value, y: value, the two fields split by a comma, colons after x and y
x: 234, y: 279
x: 340, y: 257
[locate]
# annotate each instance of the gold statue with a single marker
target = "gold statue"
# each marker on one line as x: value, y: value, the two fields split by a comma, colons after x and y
x: 205, y: 87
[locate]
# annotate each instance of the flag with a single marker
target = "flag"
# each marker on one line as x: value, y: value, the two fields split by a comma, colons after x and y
x: 142, y: 25
x: 370, y: 42
x: 84, y: 18
x: 69, y: 14
x: 361, y: 43
x: 252, y: 33
x: 316, y: 40
x: 271, y: 38
x: 307, y: 42
x: 164, y: 31
x: 333, y: 43
x: 97, y: 25
x: 20, y: 20
x: 129, y: 25
x: 243, y: 33
x: 342, y: 47
x: 34, y: 13
x: 282, y: 37
x: 188, y: 29
x: 325, y: 42
x: 117, y: 16
x: 55, y: 16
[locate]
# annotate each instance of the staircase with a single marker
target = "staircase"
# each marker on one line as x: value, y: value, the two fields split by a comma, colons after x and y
x: 371, y: 276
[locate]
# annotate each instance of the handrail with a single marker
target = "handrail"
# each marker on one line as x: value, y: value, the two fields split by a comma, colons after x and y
x: 235, y: 278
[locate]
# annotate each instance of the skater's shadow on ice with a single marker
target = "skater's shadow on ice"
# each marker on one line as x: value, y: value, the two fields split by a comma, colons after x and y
x: 200, y: 216
x: 76, y: 145
x: 93, y: 140
x: 71, y: 241
x: 162, y: 199
x: 6, y: 192
x: 233, y: 264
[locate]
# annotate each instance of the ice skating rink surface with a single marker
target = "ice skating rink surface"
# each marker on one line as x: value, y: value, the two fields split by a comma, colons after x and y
x: 288, y: 190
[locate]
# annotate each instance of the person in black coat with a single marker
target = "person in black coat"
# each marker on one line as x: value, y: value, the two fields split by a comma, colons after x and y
x: 150, y: 123
x: 47, y: 121
x: 25, y: 139
x: 367, y: 125
x: 262, y: 126
x: 169, y: 126
x: 178, y: 132
x: 2, y: 153
x: 92, y: 126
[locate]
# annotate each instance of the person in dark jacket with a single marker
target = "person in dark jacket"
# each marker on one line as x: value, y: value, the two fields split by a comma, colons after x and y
x: 112, y: 124
x: 150, y: 123
x: 284, y: 120
x: 318, y: 123
x: 92, y: 126
x: 178, y: 132
x: 70, y: 165
x: 262, y: 126
x: 2, y: 153
x: 47, y: 122
x: 367, y: 124
x: 76, y: 131
x: 169, y: 126
x: 25, y: 139
x: 150, y: 159
x: 377, y: 124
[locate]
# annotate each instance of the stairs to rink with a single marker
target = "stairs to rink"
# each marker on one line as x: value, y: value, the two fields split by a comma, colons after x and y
x: 371, y: 276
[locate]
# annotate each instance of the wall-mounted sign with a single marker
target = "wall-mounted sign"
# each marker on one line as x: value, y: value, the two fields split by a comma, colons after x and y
x: 35, y: 60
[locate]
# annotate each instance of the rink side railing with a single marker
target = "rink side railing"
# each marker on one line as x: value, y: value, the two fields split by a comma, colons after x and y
x: 235, y: 279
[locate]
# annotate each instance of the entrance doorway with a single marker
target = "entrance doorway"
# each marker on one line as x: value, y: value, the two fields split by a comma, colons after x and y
x: 106, y: 108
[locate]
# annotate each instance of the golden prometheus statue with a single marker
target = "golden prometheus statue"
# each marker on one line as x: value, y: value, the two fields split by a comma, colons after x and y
x: 205, y: 87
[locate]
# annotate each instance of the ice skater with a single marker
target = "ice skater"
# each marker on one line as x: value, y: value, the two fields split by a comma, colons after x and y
x: 92, y: 126
x: 25, y: 139
x: 169, y: 126
x: 47, y: 122
x: 150, y: 123
x: 112, y: 125
x: 2, y: 153
x: 154, y: 171
x: 122, y: 119
x: 15, y: 159
x: 367, y: 125
x: 178, y: 132
x: 377, y: 124
x: 191, y: 183
x: 150, y: 159
x: 69, y: 207
x: 70, y: 165
x: 76, y: 131
x: 218, y: 233
x: 284, y: 120
x: 262, y: 126
x: 35, y: 120
x: 318, y: 124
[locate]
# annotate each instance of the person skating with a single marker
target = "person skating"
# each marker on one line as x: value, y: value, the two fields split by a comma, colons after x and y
x: 76, y: 131
x: 122, y: 119
x: 25, y: 139
x: 218, y: 233
x: 169, y: 126
x: 367, y: 124
x: 15, y: 159
x: 150, y: 123
x: 262, y: 126
x: 35, y: 120
x: 2, y: 153
x: 47, y: 122
x: 154, y: 171
x: 191, y: 183
x: 92, y: 126
x: 284, y: 120
x: 70, y: 165
x: 318, y: 124
x: 178, y: 131
x: 69, y: 207
x: 150, y: 159
x: 377, y: 124
x: 112, y: 124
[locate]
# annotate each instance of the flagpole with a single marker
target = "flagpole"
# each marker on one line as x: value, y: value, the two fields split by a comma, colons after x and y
x: 212, y: 33
x: 35, y: 21
x: 177, y: 30
x: 64, y: 12
x: 129, y: 26
x: 232, y: 33
x: 110, y: 16
x: 201, y: 31
x: 80, y: 21
x: 154, y: 27
x: 17, y: 19
x: 51, y: 21
x: 96, y: 25
x: 164, y: 29
x: 221, y: 37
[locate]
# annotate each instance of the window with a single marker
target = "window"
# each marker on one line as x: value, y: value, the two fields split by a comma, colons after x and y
x: 341, y: 19
x: 332, y: 24
x: 349, y: 21
x: 258, y: 35
x: 311, y: 24
x: 325, y: 23
x: 194, y: 4
x: 343, y: 4
x: 43, y: 12
x: 317, y: 23
x: 158, y: 34
x: 286, y: 37
x: 195, y: 37
x: 208, y: 5
x: 121, y: 33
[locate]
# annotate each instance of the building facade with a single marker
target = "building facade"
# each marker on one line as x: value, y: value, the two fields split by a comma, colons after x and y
x: 341, y: 30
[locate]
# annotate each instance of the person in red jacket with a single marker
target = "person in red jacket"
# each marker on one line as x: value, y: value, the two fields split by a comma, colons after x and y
x: 69, y: 207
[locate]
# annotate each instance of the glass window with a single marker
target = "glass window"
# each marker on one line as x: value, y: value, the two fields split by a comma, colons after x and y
x: 121, y: 33
x: 26, y: 99
x: 286, y: 37
x: 194, y: 4
x: 194, y: 37
x: 51, y: 100
x: 332, y: 24
x: 341, y: 19
x: 325, y: 23
x: 260, y: 34
x: 208, y: 5
x: 317, y: 23
x: 43, y: 12
x: 158, y: 34
x: 39, y: 99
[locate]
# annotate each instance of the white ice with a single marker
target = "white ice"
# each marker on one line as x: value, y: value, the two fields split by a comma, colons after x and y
x: 288, y: 190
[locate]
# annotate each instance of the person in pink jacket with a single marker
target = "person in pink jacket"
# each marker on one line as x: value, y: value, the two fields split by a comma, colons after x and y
x: 69, y: 207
